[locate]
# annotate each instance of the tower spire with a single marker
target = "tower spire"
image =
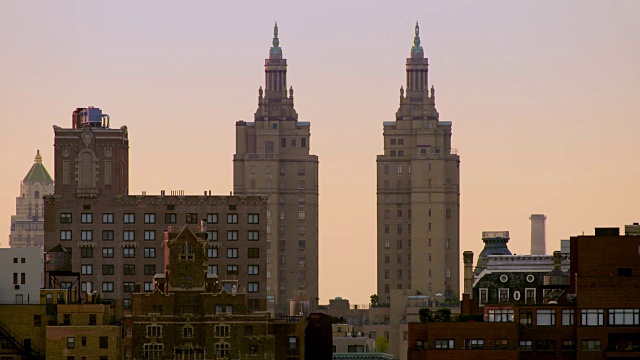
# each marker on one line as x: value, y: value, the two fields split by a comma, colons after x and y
x: 276, y: 51
x: 416, y: 50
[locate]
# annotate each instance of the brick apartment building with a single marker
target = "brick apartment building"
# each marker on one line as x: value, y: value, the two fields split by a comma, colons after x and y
x: 60, y: 329
x: 596, y: 317
x: 113, y: 240
x: 193, y: 314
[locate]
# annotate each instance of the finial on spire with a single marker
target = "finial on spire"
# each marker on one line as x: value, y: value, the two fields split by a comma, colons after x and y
x: 38, y: 158
x: 275, y: 49
x: 417, y: 49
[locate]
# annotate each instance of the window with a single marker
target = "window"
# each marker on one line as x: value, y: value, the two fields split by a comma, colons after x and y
x: 301, y: 184
x: 128, y: 235
x: 293, y: 342
x: 302, y: 214
x: 150, y: 218
x: 129, y: 252
x: 65, y: 218
x: 86, y: 235
x: 445, y: 344
x: 232, y: 235
x: 65, y: 235
x: 86, y: 269
x: 253, y: 287
x: 154, y: 331
x: 232, y: 218
x: 221, y: 330
x: 107, y: 218
x: 149, y: 269
x: 86, y: 252
x: 253, y: 270
x: 567, y: 317
x: 590, y: 345
x: 624, y: 316
x: 191, y: 218
x: 529, y: 296
x: 282, y: 185
x: 153, y: 351
x: 129, y: 269
x: 525, y: 345
x: 568, y: 345
x: 501, y: 344
x: 107, y: 269
x: 232, y: 269
x: 525, y: 316
x: 129, y: 287
x: 71, y: 342
x: 253, y: 219
x: 592, y: 317
x: 212, y: 269
x: 386, y: 244
x: 150, y: 252
x: 253, y: 253
x: 500, y: 315
x: 37, y: 320
x: 149, y: 235
x: 253, y: 235
x: 107, y: 286
x: 170, y: 218
x: 399, y: 169
x: 232, y: 253
x: 474, y: 344
x: 212, y: 218
x: 187, y: 332
x: 212, y: 253
x: 107, y: 252
x: 107, y: 235
x: 303, y: 142
x: 545, y: 317
x: 129, y: 218
x: 86, y: 218
x: 546, y: 345
x: 503, y: 295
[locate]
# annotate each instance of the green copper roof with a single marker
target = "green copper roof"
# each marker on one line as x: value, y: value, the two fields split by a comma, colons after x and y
x: 38, y: 173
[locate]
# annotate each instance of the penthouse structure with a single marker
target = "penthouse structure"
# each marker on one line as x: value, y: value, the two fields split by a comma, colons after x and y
x: 273, y: 159
x: 108, y: 241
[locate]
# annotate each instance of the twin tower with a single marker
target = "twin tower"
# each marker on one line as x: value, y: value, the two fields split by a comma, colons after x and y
x: 418, y: 200
x: 418, y: 192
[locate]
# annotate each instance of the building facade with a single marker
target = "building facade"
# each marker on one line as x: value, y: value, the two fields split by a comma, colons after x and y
x: 21, y: 275
x: 114, y: 241
x: 272, y: 158
x: 59, y: 332
x: 27, y: 225
x: 193, y: 314
x: 418, y: 193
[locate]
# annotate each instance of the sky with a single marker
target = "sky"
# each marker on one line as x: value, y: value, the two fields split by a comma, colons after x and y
x: 543, y: 96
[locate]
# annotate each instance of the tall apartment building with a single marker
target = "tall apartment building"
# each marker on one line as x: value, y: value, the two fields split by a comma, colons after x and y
x: 418, y: 193
x: 272, y: 158
x: 27, y: 225
x: 116, y: 239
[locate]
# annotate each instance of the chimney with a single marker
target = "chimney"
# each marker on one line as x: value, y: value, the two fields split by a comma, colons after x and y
x: 538, y: 234
x: 468, y: 273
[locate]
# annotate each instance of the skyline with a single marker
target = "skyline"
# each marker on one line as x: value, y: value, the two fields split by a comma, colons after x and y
x: 568, y: 69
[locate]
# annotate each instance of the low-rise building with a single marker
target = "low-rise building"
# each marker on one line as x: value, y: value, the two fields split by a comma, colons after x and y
x: 21, y: 275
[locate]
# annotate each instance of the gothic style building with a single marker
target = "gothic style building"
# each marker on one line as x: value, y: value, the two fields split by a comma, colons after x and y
x: 27, y: 225
x: 272, y: 158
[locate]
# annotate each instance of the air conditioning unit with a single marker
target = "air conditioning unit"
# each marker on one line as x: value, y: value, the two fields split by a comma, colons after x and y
x: 17, y: 287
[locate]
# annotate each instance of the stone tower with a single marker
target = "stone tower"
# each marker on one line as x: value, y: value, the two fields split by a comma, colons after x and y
x: 27, y: 225
x: 272, y: 158
x: 418, y: 193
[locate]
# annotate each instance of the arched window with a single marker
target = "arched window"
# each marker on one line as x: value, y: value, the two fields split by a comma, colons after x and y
x: 36, y: 194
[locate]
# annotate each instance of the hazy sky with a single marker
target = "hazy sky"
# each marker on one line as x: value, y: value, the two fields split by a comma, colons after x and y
x: 543, y: 96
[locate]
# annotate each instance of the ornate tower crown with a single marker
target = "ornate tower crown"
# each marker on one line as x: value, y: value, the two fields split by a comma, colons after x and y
x: 416, y: 50
x: 276, y: 51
